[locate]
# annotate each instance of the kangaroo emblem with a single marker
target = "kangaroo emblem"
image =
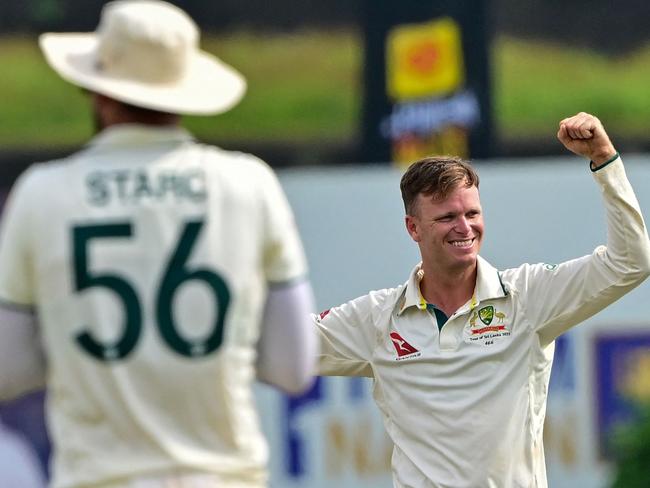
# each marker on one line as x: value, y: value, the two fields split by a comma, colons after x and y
x: 472, y: 319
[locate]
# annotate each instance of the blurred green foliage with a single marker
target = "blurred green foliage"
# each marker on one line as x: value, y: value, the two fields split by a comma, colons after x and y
x: 301, y: 86
x: 536, y: 84
x: 306, y: 86
x: 632, y: 447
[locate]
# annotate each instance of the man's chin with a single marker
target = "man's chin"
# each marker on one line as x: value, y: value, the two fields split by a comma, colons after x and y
x: 466, y: 260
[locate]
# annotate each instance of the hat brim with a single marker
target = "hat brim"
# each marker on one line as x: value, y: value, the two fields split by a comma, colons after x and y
x: 208, y: 87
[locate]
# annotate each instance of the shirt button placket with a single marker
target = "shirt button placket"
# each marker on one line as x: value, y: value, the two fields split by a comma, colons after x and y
x: 447, y: 337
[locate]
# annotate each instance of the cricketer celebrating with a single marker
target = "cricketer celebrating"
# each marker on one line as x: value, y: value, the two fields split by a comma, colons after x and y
x: 160, y: 275
x: 460, y: 355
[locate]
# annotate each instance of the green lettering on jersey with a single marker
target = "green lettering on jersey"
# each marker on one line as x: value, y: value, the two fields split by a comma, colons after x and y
x: 176, y: 274
x: 121, y: 178
x: 132, y: 187
x: 97, y: 189
x: 196, y: 189
x: 166, y: 185
x: 85, y: 279
x: 142, y: 187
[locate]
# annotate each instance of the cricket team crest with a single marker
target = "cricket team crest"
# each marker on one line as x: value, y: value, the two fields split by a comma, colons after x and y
x: 491, y: 326
x: 486, y: 314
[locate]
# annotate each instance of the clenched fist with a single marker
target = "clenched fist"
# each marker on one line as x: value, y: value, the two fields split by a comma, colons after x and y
x: 583, y: 134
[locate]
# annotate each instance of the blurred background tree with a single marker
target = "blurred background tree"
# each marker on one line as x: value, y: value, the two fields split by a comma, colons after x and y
x: 632, y: 453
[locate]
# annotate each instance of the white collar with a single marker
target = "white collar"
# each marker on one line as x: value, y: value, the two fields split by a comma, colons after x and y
x: 488, y: 286
x: 131, y: 135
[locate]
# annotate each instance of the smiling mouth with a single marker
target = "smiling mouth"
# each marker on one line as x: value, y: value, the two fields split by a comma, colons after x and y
x: 465, y: 243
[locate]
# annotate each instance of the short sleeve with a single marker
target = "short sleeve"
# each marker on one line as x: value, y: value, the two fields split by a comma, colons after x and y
x: 284, y: 256
x: 16, y: 256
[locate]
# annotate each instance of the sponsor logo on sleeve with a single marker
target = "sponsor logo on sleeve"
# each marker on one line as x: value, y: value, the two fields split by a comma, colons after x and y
x: 323, y: 314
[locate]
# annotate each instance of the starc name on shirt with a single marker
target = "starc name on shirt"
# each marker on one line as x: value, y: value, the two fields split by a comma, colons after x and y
x: 128, y: 187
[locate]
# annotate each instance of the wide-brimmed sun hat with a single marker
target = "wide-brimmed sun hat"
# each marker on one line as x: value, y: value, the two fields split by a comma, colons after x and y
x: 146, y: 53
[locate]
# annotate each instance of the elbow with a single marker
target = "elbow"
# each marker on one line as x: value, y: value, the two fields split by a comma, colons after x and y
x: 642, y: 275
x: 632, y: 269
x: 292, y: 381
x: 17, y: 380
x: 6, y: 391
x: 641, y: 269
x: 297, y: 385
x: 634, y: 277
x: 292, y: 375
x: 644, y: 272
x: 298, y: 376
x: 645, y: 262
x: 11, y: 390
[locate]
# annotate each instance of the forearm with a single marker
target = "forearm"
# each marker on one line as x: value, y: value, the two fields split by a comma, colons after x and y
x: 577, y: 289
x: 628, y: 247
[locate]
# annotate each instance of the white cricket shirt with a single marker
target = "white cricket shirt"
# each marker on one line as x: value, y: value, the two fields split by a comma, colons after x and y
x: 146, y: 257
x: 465, y: 405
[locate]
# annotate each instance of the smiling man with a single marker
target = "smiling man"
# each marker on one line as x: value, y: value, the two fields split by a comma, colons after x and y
x: 444, y: 217
x: 461, y: 354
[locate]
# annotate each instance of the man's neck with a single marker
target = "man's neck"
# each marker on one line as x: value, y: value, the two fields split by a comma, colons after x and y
x: 448, y: 291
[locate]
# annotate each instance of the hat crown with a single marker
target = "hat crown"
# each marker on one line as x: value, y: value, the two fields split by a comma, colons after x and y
x: 145, y: 40
x: 146, y: 53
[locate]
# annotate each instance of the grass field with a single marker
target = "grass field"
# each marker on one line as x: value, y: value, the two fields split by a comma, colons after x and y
x: 537, y: 84
x: 306, y: 87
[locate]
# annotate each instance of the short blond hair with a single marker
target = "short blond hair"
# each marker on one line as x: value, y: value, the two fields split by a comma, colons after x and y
x: 436, y: 177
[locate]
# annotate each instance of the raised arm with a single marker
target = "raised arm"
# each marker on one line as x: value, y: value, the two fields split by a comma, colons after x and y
x: 563, y: 296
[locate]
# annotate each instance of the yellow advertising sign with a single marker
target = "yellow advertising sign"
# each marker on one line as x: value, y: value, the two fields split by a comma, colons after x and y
x: 451, y: 140
x: 424, y: 60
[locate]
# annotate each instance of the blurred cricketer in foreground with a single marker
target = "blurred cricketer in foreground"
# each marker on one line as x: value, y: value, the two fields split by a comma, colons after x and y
x: 161, y: 276
x: 461, y: 353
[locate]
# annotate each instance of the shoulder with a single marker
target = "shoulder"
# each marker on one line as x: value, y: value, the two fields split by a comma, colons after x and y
x: 367, y: 312
x: 38, y: 179
x: 42, y: 172
x: 378, y: 302
x: 516, y: 279
x: 237, y: 162
x: 386, y: 298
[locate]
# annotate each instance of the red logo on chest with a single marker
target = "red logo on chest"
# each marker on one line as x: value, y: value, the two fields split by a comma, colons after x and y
x: 402, y: 347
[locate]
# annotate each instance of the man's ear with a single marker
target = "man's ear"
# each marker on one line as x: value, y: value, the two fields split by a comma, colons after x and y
x: 412, y: 227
